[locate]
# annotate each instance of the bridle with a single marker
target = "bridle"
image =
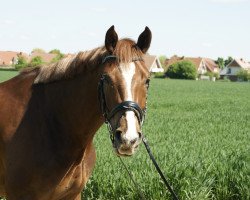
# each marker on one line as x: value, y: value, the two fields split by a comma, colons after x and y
x: 121, y: 107
x: 140, y: 114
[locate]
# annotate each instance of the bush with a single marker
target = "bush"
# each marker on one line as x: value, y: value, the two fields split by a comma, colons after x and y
x: 36, y: 61
x: 243, y: 75
x: 158, y: 75
x: 58, y: 57
x: 212, y: 74
x: 21, y: 63
x: 182, y: 70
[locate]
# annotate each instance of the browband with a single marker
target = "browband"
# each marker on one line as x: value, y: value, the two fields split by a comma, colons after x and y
x: 116, y: 58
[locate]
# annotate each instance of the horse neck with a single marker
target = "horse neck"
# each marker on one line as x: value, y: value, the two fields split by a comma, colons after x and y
x: 75, y: 106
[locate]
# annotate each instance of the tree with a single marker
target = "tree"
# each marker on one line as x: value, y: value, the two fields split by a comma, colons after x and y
x: 162, y: 59
x: 182, y: 70
x: 36, y: 61
x: 58, y: 53
x: 228, y: 60
x: 38, y: 50
x: 220, y: 62
x: 21, y: 62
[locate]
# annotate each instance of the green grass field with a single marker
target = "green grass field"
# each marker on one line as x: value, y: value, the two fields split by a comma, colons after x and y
x: 7, y: 74
x: 199, y: 133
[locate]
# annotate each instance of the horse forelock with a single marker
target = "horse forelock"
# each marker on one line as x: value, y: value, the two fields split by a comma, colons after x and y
x: 72, y: 65
x: 126, y: 51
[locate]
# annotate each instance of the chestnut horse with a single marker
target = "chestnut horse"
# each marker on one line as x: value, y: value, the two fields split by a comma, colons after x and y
x: 50, y: 114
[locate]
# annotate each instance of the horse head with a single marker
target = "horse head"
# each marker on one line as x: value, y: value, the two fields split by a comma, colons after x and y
x: 123, y: 89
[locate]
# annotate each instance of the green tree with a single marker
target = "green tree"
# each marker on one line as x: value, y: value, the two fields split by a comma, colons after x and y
x: 38, y: 50
x: 21, y: 62
x: 220, y: 62
x: 58, y: 53
x: 228, y: 60
x: 162, y: 59
x: 182, y: 70
x: 36, y: 61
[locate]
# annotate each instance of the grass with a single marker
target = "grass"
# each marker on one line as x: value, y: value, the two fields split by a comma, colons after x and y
x: 199, y: 133
x: 7, y: 74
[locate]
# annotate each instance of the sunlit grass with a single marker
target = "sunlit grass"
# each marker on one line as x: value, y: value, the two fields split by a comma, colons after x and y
x: 6, y: 74
x: 198, y: 131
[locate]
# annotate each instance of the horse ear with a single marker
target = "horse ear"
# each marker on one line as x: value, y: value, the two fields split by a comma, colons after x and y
x: 144, y: 40
x: 111, y: 39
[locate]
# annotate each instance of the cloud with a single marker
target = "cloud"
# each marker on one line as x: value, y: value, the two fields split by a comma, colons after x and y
x: 229, y: 1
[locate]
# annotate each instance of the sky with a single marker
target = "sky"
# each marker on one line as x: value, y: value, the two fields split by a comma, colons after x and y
x: 206, y: 28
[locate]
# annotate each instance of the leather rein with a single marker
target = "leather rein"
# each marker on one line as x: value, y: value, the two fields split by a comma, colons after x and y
x: 140, y: 114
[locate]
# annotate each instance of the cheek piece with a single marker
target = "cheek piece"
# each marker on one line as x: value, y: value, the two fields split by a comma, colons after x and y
x: 122, y: 107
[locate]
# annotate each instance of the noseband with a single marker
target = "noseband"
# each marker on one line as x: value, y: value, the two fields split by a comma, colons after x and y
x: 122, y: 107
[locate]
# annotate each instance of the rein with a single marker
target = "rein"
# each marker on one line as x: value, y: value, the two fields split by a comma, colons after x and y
x: 140, y: 113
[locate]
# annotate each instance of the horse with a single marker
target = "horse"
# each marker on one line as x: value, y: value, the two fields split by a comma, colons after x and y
x: 50, y: 114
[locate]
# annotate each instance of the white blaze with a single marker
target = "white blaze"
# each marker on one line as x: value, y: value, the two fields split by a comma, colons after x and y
x: 128, y: 73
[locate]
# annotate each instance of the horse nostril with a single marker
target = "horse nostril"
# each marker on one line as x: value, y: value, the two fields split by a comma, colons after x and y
x: 118, y: 134
x: 140, y: 134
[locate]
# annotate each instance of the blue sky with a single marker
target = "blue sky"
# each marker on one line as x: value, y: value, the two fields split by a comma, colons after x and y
x: 208, y: 28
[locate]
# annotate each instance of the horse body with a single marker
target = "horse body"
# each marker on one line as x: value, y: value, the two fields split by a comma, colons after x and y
x: 49, y: 116
x: 37, y: 151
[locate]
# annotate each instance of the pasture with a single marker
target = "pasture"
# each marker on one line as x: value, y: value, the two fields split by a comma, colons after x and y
x: 199, y: 133
x: 7, y: 74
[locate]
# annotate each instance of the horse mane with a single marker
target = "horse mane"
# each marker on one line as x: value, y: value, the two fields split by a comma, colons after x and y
x: 72, y: 65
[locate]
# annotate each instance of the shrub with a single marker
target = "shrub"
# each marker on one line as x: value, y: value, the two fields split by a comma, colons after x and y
x: 36, y: 61
x: 58, y: 57
x: 217, y: 75
x: 212, y: 74
x: 21, y: 63
x: 182, y: 70
x: 159, y: 75
x: 243, y: 75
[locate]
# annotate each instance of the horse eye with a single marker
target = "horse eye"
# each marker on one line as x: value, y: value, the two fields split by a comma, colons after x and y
x: 147, y: 81
x: 108, y: 80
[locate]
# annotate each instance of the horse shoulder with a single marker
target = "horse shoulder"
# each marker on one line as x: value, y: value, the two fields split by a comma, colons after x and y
x: 14, y: 96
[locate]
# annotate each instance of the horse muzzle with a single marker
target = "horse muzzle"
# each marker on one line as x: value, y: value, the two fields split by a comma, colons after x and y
x: 128, y: 136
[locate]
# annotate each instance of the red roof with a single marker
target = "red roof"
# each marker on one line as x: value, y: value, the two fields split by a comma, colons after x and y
x: 209, y: 63
x: 174, y: 59
x: 10, y: 57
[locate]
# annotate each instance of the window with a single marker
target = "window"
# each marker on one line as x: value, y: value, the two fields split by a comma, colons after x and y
x: 229, y: 71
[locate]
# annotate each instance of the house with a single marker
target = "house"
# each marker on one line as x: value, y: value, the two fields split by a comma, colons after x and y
x: 231, y: 70
x: 10, y: 58
x: 202, y: 65
x: 153, y: 63
x: 46, y: 57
